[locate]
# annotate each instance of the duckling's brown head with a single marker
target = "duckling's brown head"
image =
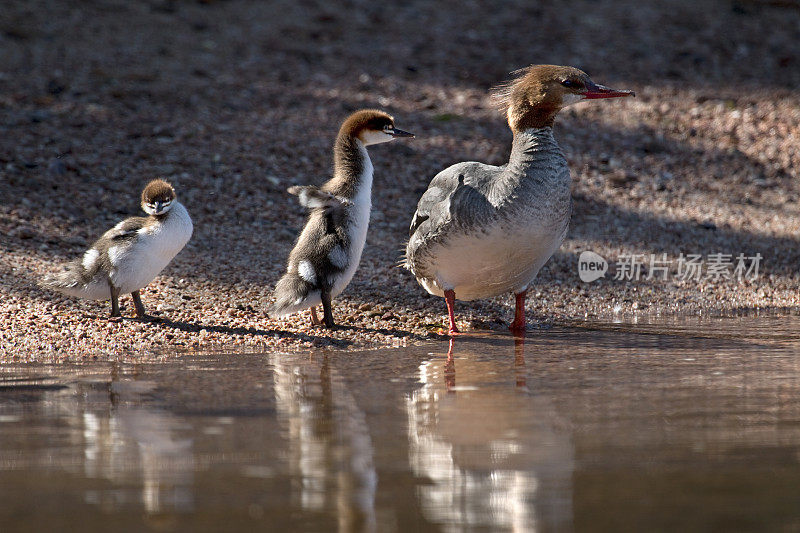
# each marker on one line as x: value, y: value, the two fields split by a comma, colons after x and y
x: 371, y: 126
x: 157, y: 197
x: 536, y: 94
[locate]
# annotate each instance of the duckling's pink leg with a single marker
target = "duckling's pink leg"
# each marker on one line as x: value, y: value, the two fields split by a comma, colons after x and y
x: 450, y: 300
x: 518, y: 326
x: 315, y: 321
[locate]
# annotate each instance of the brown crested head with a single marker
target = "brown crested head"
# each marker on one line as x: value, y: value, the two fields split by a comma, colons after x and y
x: 371, y: 126
x: 536, y: 94
x: 158, y: 197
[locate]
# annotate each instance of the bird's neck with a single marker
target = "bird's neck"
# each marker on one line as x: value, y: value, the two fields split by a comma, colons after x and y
x: 532, y: 148
x: 524, y: 115
x: 352, y: 168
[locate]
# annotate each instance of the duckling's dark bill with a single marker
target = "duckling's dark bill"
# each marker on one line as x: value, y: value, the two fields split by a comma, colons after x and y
x: 394, y: 132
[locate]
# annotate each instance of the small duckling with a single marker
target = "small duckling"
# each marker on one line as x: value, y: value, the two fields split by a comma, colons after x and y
x: 131, y: 254
x: 328, y: 250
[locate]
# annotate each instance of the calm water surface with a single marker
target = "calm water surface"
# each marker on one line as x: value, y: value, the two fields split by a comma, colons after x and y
x: 677, y: 424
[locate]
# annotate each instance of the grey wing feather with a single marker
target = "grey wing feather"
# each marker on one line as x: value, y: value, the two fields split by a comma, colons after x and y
x: 457, y: 194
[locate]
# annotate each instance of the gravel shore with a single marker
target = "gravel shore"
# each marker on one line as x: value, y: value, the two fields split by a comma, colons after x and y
x: 234, y: 101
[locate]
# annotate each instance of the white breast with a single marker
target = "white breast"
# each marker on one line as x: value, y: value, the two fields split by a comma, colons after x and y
x: 357, y: 225
x: 498, y: 260
x: 137, y: 264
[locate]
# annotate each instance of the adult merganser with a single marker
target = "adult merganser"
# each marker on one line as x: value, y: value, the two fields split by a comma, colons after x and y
x: 479, y: 230
x: 131, y: 254
x: 328, y: 250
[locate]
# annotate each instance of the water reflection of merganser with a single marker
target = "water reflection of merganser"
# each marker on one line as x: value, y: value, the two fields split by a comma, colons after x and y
x: 128, y: 443
x: 329, y: 442
x: 493, y: 461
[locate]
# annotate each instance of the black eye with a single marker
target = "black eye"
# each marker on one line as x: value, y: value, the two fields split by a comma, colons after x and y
x: 570, y: 84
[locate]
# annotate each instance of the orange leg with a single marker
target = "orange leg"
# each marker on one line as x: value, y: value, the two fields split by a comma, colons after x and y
x: 518, y: 326
x: 450, y: 300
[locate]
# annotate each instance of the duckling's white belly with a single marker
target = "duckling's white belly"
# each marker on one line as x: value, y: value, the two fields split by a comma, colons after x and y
x: 356, y: 226
x: 138, y: 263
x: 493, y: 262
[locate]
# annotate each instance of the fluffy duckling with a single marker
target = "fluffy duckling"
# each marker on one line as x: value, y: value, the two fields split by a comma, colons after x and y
x: 131, y: 254
x: 328, y: 250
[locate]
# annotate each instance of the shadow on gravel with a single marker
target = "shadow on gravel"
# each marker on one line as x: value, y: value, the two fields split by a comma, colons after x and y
x: 242, y: 331
x: 400, y: 333
x: 662, y: 235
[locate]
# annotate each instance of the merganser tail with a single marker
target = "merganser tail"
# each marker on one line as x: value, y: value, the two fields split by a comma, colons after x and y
x: 293, y: 293
x: 72, y: 281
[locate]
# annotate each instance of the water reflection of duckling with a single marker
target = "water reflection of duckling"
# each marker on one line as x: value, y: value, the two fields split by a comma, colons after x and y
x: 330, y: 443
x: 138, y: 448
